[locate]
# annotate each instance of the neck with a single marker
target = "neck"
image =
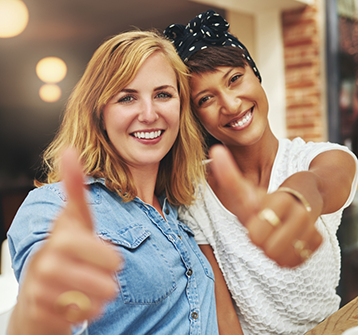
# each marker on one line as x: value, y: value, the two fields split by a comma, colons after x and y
x: 145, y: 180
x: 255, y: 161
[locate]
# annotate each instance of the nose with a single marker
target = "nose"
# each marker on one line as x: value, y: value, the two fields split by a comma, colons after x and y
x: 147, y: 112
x: 229, y: 103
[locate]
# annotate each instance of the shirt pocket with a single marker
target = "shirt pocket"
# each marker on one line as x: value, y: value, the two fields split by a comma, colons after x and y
x: 146, y: 276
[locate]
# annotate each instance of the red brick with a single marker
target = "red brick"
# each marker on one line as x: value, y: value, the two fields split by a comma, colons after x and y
x: 302, y: 73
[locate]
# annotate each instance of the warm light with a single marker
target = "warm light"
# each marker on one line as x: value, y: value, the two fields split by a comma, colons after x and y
x: 51, y: 69
x: 14, y: 17
x: 50, y: 92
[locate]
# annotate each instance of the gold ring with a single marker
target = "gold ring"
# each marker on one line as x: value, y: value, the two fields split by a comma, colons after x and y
x: 74, y: 305
x: 301, y: 250
x: 270, y: 216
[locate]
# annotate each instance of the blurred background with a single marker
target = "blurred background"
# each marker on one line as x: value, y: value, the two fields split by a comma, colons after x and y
x: 306, y: 51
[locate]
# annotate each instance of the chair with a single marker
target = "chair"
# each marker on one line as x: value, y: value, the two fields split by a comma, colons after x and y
x: 8, y: 288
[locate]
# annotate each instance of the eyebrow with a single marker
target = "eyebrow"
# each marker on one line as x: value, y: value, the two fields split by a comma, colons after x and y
x: 164, y: 87
x: 131, y: 90
x: 199, y: 93
x: 226, y: 74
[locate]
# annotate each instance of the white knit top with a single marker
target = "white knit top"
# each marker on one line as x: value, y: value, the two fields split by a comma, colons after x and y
x: 271, y: 299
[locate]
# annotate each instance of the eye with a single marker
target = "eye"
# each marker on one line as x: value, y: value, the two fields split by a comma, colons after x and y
x: 126, y: 99
x: 203, y: 100
x: 164, y: 95
x: 235, y: 78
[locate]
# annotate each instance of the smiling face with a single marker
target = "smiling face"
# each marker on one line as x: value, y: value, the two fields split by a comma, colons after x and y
x: 231, y: 104
x: 142, y: 121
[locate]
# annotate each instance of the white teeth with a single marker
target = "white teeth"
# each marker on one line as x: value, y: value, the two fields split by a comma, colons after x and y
x: 243, y: 121
x: 148, y: 135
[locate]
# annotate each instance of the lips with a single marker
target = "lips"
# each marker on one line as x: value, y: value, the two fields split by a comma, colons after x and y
x: 147, y: 135
x: 242, y: 120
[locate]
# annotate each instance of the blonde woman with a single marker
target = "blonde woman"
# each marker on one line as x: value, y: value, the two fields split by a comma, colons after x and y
x: 129, y: 120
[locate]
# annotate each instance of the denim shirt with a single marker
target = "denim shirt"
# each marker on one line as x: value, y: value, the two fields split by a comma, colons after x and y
x: 166, y: 284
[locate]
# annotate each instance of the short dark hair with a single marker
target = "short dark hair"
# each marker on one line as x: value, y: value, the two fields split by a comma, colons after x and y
x: 207, y: 60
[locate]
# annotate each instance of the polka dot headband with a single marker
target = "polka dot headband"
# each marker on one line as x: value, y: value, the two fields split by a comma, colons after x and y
x: 206, y: 30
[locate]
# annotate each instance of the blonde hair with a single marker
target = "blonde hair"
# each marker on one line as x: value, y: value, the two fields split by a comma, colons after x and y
x: 112, y: 67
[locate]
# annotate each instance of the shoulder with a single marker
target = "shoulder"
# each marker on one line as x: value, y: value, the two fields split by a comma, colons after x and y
x: 297, y: 151
x: 55, y: 194
x: 42, y: 205
x: 299, y: 145
x: 40, y: 200
x: 206, y: 211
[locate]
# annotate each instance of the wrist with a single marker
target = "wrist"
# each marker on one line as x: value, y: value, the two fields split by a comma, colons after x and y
x: 297, y: 195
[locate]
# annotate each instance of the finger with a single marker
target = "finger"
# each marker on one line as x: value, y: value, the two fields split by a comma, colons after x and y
x: 280, y: 246
x: 46, y: 307
x: 58, y: 273
x: 259, y: 230
x: 293, y: 257
x: 73, y: 180
x: 237, y: 194
x: 292, y: 219
x: 316, y: 240
x: 82, y: 248
x: 290, y: 230
x: 93, y: 281
x: 261, y: 226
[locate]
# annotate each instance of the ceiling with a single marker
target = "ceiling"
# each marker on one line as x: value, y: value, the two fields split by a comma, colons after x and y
x: 71, y: 30
x: 256, y: 6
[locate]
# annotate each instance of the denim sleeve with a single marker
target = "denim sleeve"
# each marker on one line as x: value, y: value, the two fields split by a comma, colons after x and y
x: 32, y: 224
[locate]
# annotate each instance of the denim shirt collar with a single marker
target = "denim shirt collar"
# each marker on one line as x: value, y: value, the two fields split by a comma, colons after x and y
x: 92, y: 180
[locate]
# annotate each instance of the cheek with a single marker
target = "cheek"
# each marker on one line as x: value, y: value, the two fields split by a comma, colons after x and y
x: 175, y: 115
x: 110, y: 120
x: 259, y: 91
x: 104, y: 119
x: 206, y: 119
x: 116, y: 126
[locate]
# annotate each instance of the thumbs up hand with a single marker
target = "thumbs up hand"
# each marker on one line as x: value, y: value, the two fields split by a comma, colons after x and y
x: 277, y: 223
x: 71, y: 277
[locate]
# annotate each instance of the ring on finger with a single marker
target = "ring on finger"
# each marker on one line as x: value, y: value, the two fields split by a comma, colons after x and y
x: 74, y: 305
x: 301, y: 249
x: 267, y: 214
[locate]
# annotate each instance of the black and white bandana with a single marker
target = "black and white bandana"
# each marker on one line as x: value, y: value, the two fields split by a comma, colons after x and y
x: 206, y: 30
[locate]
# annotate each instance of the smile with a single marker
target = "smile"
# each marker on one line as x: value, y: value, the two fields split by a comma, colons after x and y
x: 242, y: 121
x: 147, y: 135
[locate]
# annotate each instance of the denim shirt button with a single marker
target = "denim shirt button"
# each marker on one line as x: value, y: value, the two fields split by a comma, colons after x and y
x: 194, y: 315
x: 167, y: 211
x: 179, y: 237
x: 189, y: 272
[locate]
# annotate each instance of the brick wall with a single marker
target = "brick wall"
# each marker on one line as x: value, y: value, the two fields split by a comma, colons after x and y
x: 303, y: 73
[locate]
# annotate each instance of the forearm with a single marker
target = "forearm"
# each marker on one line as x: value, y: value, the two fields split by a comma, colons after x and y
x: 229, y: 325
x: 328, y: 182
x: 307, y: 184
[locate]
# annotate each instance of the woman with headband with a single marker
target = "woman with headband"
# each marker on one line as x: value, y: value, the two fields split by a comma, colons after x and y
x: 114, y: 252
x: 273, y: 231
